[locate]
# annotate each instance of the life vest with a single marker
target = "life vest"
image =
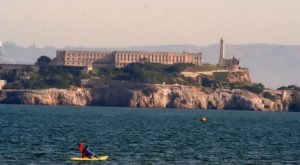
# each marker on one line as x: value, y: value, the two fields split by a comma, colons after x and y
x: 81, y: 147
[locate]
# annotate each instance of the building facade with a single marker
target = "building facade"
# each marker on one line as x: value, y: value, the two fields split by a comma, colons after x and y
x: 81, y: 58
x: 122, y: 58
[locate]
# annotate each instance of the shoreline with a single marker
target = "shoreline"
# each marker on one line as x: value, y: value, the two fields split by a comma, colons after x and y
x: 148, y: 96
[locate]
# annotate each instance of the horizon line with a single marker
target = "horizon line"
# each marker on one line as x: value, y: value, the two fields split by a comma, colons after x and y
x: 139, y: 46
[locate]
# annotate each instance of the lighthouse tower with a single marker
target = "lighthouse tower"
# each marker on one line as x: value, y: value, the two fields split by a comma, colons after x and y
x: 222, y: 52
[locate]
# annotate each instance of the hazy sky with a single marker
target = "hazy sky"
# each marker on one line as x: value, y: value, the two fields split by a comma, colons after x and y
x: 121, y: 23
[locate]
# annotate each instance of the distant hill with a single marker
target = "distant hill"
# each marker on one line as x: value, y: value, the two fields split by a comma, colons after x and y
x: 13, y: 53
x: 272, y: 65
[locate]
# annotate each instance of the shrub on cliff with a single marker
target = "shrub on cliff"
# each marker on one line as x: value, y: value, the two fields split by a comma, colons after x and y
x: 162, y: 68
x: 290, y: 87
x: 10, y: 76
x: 46, y: 77
x: 268, y: 95
x: 154, y: 73
x: 108, y: 72
x: 60, y: 77
x: 252, y: 87
x: 203, y: 68
x: 177, y: 68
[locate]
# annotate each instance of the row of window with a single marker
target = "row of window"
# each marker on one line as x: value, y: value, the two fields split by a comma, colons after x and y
x: 76, y: 63
x: 81, y: 59
x: 128, y: 57
x: 85, y: 63
x: 134, y: 58
x: 151, y: 58
x: 123, y: 56
x: 84, y: 55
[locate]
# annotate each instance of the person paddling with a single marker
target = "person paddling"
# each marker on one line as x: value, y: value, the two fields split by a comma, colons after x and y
x: 86, y: 152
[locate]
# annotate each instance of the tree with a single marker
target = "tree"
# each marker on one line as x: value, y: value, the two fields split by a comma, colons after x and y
x: 43, y: 61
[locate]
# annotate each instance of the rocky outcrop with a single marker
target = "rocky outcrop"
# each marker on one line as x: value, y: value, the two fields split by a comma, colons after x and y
x: 74, y: 97
x: 239, y: 76
x: 193, y: 97
x: 162, y: 96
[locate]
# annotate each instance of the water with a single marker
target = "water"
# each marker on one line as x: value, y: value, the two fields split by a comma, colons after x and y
x: 48, y: 135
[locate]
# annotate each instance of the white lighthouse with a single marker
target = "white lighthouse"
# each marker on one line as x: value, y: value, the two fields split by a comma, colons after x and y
x: 222, y: 52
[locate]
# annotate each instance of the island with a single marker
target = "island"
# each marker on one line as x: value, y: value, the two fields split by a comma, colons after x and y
x: 141, y: 79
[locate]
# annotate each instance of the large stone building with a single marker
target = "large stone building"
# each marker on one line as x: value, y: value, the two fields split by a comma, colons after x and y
x: 81, y: 58
x: 122, y: 58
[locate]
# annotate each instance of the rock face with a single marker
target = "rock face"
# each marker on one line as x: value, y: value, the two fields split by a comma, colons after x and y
x: 161, y: 96
x: 76, y: 97
x: 193, y: 97
x: 239, y: 76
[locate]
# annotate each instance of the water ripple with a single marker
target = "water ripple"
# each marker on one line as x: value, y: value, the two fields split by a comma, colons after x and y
x: 48, y: 135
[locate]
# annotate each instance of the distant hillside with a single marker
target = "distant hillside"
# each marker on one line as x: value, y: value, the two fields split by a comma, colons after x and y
x: 13, y: 53
x: 273, y: 65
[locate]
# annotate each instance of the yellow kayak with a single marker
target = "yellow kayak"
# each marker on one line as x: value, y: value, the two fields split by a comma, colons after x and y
x: 92, y: 158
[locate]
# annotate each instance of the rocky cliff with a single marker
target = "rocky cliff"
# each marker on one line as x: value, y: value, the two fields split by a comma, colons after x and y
x: 76, y: 97
x: 193, y: 97
x: 239, y: 76
x: 159, y: 96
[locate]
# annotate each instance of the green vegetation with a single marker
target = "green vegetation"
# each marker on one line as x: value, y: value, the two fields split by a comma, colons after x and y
x: 204, y: 68
x: 153, y: 74
x: 66, y: 77
x: 290, y: 87
x: 46, y: 77
x: 43, y: 61
x: 268, y: 95
x: 252, y: 87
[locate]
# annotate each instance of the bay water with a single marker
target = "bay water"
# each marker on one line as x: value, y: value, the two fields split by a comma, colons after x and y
x: 49, y: 135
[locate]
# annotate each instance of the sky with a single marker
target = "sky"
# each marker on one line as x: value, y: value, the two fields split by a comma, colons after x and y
x: 123, y: 23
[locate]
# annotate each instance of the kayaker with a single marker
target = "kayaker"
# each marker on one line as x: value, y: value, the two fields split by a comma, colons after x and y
x: 86, y: 152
